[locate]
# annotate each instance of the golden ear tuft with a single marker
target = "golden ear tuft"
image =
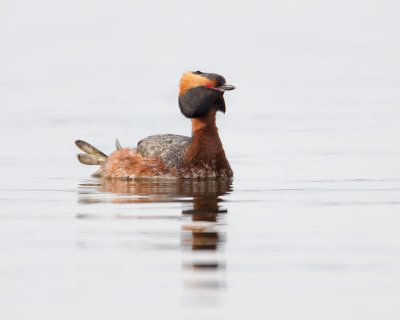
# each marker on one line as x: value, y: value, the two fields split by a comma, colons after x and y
x: 191, y: 80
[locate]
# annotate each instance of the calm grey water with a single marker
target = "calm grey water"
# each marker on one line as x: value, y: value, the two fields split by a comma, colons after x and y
x: 309, y: 227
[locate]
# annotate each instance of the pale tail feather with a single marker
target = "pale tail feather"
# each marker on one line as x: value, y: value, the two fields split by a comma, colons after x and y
x: 89, y: 159
x: 93, y: 156
x: 117, y: 145
x: 89, y: 149
x: 98, y: 173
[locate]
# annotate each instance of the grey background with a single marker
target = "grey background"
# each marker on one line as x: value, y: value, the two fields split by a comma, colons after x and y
x: 311, y: 132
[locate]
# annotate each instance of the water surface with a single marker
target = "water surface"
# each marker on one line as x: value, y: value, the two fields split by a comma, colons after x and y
x: 307, y: 229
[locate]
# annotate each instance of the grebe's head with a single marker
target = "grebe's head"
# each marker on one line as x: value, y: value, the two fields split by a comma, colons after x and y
x: 199, y: 92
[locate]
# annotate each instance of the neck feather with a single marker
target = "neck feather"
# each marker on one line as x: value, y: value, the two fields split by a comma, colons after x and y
x: 205, y: 123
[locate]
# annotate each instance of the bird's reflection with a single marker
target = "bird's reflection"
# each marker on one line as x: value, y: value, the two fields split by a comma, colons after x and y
x: 202, y: 236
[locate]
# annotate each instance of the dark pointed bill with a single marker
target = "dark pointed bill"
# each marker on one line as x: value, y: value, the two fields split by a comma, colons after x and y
x: 225, y: 87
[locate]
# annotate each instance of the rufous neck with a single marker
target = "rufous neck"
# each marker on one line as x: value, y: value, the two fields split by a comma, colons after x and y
x: 206, y: 122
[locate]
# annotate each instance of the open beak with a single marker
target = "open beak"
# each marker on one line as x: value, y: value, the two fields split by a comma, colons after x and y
x: 225, y: 87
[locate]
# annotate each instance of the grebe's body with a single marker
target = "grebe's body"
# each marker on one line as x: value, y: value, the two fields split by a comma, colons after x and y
x: 174, y: 156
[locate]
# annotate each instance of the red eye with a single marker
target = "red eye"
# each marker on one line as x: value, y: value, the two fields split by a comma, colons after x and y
x: 209, y: 85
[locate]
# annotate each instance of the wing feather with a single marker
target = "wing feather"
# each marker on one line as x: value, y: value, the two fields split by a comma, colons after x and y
x: 168, y: 148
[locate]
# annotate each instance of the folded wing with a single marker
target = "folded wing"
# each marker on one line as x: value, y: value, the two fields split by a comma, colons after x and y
x: 169, y: 148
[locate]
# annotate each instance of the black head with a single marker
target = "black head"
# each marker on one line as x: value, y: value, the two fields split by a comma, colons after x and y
x: 200, y: 92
